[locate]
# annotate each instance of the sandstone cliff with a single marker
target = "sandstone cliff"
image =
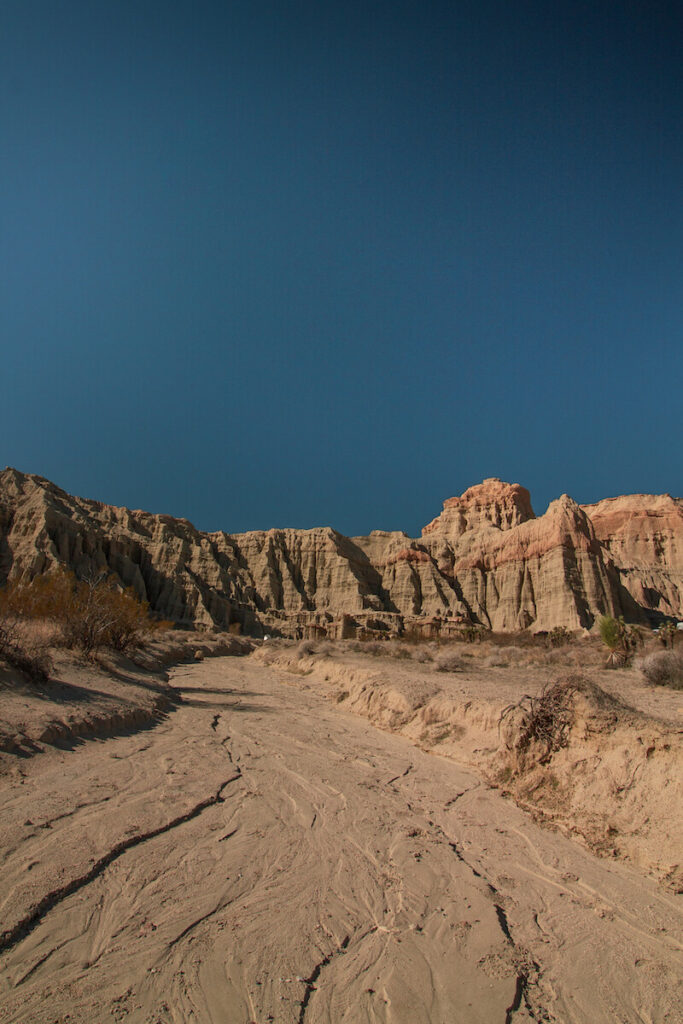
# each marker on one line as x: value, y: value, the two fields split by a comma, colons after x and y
x: 643, y: 534
x: 486, y: 558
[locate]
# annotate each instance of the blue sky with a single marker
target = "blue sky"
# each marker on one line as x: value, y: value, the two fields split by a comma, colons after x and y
x: 308, y: 263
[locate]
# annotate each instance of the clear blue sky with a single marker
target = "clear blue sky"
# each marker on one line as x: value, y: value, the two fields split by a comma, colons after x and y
x: 310, y: 263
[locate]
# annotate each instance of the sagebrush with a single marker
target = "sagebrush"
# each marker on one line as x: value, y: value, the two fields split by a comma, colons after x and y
x: 663, y: 668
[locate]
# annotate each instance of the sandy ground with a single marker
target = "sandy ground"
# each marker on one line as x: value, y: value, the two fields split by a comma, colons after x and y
x: 263, y: 854
x: 616, y: 785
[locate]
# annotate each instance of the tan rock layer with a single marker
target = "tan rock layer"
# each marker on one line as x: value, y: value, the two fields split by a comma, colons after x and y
x: 486, y: 558
x: 643, y: 534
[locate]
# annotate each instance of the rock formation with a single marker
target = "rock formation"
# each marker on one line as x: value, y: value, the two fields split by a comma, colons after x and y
x: 486, y: 559
x: 643, y: 534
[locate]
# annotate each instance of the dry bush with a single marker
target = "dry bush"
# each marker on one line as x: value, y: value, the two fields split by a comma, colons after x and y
x: 306, y: 648
x: 90, y: 613
x: 395, y: 649
x: 544, y: 721
x: 374, y: 647
x: 663, y: 668
x: 25, y: 653
x: 422, y: 655
x: 503, y: 657
x: 448, y: 661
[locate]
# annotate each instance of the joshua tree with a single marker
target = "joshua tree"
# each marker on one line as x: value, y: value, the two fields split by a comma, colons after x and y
x: 620, y: 639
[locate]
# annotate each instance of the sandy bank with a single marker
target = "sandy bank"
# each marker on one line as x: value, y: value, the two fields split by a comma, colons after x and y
x: 614, y: 784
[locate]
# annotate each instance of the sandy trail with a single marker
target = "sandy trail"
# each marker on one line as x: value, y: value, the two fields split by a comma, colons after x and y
x: 264, y: 856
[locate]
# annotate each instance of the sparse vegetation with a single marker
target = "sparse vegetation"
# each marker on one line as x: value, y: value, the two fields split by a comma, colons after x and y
x: 620, y: 639
x: 663, y: 668
x: 559, y: 636
x: 472, y: 633
x: 449, y: 661
x: 667, y: 634
x: 89, y: 614
x: 422, y: 655
x: 27, y: 654
x: 545, y: 720
x: 306, y: 648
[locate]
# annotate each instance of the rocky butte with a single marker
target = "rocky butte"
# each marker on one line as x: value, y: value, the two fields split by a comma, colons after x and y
x: 486, y: 559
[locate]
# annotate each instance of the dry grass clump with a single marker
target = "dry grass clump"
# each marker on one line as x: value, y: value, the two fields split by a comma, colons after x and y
x: 308, y: 648
x: 663, y: 668
x: 449, y: 661
x: 503, y: 657
x: 422, y: 655
x: 395, y: 649
x: 402, y: 650
x: 519, y: 639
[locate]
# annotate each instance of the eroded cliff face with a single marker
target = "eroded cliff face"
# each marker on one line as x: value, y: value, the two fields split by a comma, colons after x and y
x: 643, y: 534
x: 491, y: 503
x: 486, y: 558
x: 526, y: 571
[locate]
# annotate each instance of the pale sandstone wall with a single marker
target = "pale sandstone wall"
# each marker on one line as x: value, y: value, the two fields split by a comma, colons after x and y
x: 644, y: 536
x: 544, y: 571
x: 487, y: 557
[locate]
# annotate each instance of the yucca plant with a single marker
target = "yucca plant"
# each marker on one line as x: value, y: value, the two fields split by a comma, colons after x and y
x: 621, y: 640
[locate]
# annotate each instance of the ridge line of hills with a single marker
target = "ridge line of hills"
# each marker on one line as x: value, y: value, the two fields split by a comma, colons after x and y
x: 487, y: 559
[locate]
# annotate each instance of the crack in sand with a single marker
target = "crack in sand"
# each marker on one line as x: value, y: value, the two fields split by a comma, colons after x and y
x: 12, y: 936
x: 315, y: 974
x: 522, y: 981
x: 402, y: 775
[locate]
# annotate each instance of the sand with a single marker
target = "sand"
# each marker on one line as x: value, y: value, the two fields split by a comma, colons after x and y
x: 263, y: 854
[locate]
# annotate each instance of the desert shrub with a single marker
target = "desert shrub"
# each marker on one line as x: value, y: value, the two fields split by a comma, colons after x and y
x: 667, y: 634
x: 503, y: 657
x: 496, y: 660
x: 422, y: 655
x: 448, y: 661
x: 471, y: 633
x: 374, y: 647
x: 29, y: 656
x: 663, y: 668
x: 91, y: 613
x: 559, y: 636
x: 306, y: 648
x: 397, y: 650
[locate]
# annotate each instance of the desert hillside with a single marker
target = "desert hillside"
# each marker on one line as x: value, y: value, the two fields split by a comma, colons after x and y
x: 487, y: 559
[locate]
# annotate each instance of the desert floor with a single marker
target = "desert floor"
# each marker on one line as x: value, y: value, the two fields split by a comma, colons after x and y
x: 263, y: 854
